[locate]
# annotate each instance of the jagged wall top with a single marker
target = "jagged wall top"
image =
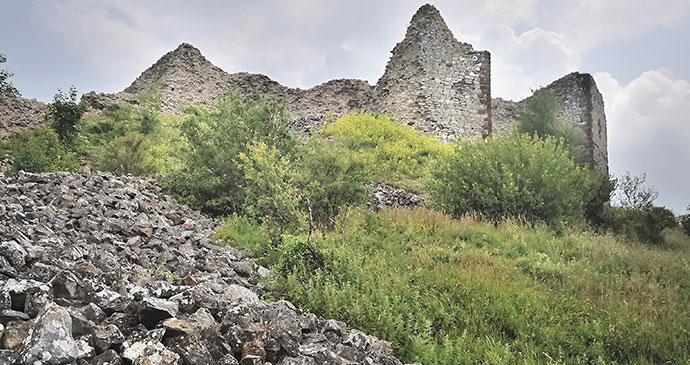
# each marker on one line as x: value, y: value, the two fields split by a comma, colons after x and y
x: 433, y: 82
x: 436, y: 83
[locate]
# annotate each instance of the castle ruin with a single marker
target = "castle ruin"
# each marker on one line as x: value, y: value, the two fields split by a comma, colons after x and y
x: 433, y: 82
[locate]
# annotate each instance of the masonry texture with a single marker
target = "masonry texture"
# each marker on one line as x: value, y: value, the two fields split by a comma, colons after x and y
x: 19, y: 114
x: 432, y: 82
x: 580, y: 103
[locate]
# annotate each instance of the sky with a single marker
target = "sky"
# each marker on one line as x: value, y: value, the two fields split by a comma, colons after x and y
x: 637, y: 51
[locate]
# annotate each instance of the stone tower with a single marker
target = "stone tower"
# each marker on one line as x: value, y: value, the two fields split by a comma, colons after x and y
x: 436, y: 84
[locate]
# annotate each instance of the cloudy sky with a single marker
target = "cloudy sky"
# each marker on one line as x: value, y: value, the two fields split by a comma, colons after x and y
x: 637, y: 50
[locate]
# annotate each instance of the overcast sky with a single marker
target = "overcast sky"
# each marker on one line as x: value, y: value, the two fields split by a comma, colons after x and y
x: 637, y: 50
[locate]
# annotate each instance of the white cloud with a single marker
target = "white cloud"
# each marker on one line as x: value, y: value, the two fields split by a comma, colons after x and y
x: 649, y: 130
x: 593, y: 22
x: 525, y: 62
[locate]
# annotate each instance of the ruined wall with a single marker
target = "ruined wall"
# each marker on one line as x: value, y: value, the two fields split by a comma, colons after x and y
x: 432, y: 82
x: 436, y: 84
x: 19, y: 114
x: 580, y: 103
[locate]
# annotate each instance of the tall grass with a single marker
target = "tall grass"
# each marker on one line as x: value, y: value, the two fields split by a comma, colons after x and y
x: 450, y: 291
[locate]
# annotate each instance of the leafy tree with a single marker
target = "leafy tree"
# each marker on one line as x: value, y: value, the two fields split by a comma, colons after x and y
x: 331, y: 181
x: 640, y: 219
x: 633, y: 194
x: 521, y: 176
x: 64, y: 115
x: 39, y: 150
x: 539, y: 118
x: 271, y: 196
x: 209, y: 177
x: 598, y: 209
x: 6, y: 87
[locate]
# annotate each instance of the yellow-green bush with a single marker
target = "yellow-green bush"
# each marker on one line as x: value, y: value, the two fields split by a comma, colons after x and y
x: 515, y: 177
x: 391, y: 152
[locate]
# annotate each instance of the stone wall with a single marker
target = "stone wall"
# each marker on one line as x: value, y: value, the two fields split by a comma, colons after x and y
x: 432, y: 82
x: 436, y: 84
x: 580, y: 103
x: 19, y: 114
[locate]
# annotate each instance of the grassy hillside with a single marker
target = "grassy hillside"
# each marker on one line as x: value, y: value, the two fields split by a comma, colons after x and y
x: 444, y: 291
x: 448, y: 291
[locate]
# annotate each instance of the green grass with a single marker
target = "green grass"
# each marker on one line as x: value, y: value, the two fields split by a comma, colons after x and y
x: 449, y: 291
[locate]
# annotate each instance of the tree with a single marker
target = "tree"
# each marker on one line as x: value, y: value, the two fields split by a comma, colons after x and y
x: 640, y: 218
x: 6, y: 87
x: 539, y: 118
x: 331, y: 181
x: 209, y: 177
x: 39, y: 150
x: 521, y: 176
x: 632, y: 193
x: 64, y: 115
x: 271, y: 195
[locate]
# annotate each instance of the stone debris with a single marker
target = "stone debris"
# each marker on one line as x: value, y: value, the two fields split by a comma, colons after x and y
x: 387, y: 196
x: 99, y: 269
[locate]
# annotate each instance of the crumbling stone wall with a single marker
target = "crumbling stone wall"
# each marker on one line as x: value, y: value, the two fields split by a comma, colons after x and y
x: 580, y: 103
x: 19, y: 114
x: 433, y: 82
x: 436, y: 84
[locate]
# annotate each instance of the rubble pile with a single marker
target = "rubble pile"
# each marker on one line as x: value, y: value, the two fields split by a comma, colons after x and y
x: 98, y: 269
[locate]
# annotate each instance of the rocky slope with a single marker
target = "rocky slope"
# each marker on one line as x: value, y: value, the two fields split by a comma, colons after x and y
x: 97, y: 269
x: 20, y: 114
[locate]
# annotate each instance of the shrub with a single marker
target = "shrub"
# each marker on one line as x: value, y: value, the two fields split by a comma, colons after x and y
x: 639, y: 218
x: 209, y: 177
x: 39, y: 150
x: 539, y: 119
x: 330, y: 181
x: 391, y: 152
x: 150, y: 102
x: 128, y: 154
x: 271, y: 196
x: 64, y: 115
x: 515, y: 177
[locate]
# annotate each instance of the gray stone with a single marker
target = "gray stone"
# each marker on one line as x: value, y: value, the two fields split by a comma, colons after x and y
x: 150, y: 352
x: 106, y: 337
x: 155, y: 309
x: 50, y: 339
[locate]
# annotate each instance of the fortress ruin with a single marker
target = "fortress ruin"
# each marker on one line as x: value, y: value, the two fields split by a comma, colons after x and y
x: 432, y: 82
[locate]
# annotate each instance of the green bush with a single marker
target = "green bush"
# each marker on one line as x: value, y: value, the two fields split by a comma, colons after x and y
x: 447, y: 291
x: 64, y: 115
x: 209, y: 177
x: 330, y: 181
x: 271, y: 196
x: 539, y: 118
x: 150, y: 102
x: 390, y: 152
x: 39, y: 150
x: 128, y: 154
x: 516, y: 177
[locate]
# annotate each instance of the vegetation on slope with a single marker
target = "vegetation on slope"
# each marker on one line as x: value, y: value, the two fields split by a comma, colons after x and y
x: 513, y: 273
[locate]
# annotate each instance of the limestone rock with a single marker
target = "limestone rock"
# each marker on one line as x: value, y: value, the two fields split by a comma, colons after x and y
x: 50, y: 339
